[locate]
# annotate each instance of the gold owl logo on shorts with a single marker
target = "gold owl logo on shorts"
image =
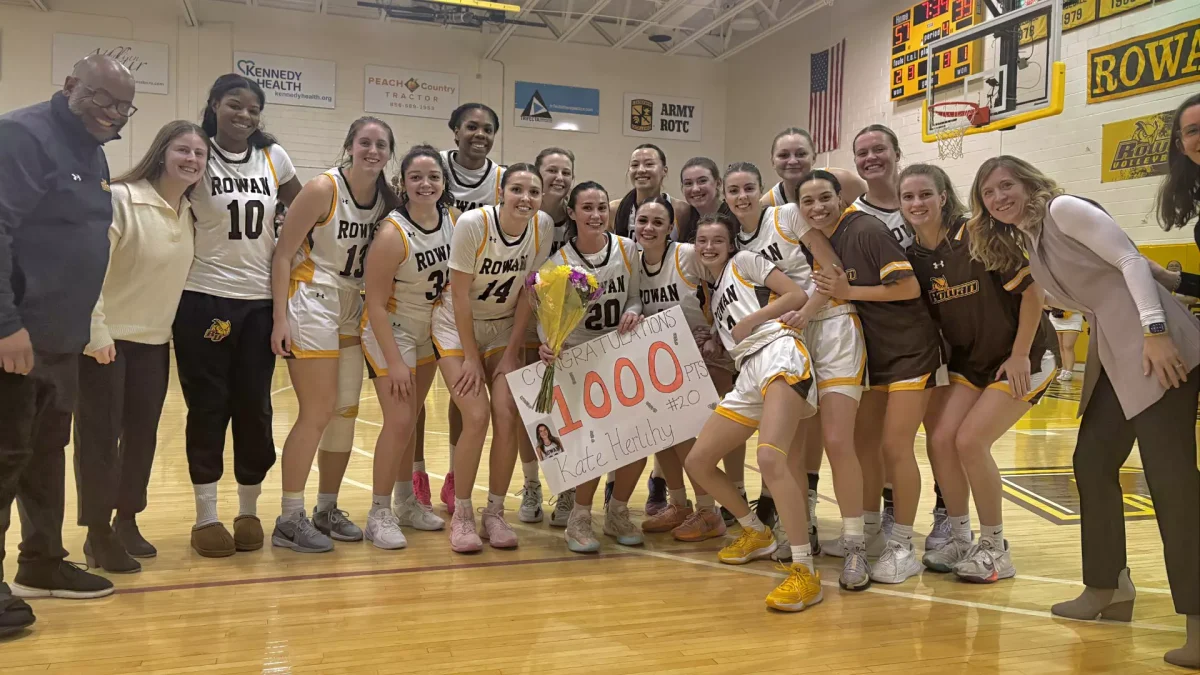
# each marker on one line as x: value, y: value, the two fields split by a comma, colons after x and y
x: 641, y: 114
x: 219, y: 330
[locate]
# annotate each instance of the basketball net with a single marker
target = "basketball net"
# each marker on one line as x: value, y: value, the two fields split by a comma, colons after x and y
x: 950, y: 140
x: 958, y: 116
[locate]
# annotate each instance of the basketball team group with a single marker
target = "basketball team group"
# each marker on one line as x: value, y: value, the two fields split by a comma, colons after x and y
x: 838, y: 311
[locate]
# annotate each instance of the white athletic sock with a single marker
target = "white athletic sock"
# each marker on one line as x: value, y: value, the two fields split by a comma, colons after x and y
x: 248, y: 499
x: 871, y: 522
x: 402, y: 490
x: 677, y: 497
x: 419, y: 467
x: 326, y: 500
x: 465, y: 506
x: 530, y: 469
x: 451, y: 458
x: 994, y: 534
x: 581, y: 508
x: 380, y: 502
x: 752, y: 522
x: 853, y: 529
x: 706, y: 503
x: 802, y: 555
x: 902, y: 534
x: 766, y: 491
x: 616, y: 505
x: 495, y: 502
x: 206, y: 503
x: 960, y: 527
x: 612, y: 477
x: 291, y: 506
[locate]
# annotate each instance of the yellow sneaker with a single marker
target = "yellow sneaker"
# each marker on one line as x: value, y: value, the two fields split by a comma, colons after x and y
x: 799, y: 591
x: 751, y: 545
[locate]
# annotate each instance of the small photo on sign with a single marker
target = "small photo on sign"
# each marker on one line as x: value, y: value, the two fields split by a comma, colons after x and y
x: 545, y: 443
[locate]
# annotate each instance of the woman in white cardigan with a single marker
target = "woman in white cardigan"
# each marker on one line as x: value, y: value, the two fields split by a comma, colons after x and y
x: 123, y: 372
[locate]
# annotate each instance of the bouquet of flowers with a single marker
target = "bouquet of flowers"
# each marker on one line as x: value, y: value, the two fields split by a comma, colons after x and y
x: 560, y: 295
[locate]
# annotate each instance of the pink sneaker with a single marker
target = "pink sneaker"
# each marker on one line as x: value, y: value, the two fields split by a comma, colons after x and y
x: 447, y: 492
x: 463, y: 538
x: 421, y: 488
x: 498, y: 533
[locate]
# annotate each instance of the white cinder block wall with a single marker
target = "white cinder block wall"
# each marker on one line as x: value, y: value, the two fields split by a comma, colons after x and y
x: 769, y: 83
x: 313, y: 136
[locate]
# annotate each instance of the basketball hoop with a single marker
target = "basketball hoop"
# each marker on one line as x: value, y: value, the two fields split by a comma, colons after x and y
x: 959, y: 116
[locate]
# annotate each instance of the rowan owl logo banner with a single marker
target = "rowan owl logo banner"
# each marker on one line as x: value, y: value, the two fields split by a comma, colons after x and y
x: 669, y: 117
x: 1159, y: 60
x: 1136, y: 148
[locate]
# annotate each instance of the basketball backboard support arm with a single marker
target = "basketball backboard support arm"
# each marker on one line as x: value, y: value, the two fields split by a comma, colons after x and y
x: 1007, y: 108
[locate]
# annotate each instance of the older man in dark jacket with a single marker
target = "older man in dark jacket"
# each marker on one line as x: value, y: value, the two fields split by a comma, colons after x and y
x: 55, y: 211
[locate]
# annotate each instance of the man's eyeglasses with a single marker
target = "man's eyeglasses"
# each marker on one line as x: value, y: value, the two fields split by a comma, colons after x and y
x: 103, y: 99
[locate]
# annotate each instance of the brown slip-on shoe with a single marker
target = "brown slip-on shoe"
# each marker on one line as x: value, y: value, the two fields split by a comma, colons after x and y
x: 212, y: 541
x: 247, y: 533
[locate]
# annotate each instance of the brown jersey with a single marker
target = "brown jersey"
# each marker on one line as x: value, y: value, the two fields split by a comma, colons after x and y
x: 902, y: 339
x: 977, y: 310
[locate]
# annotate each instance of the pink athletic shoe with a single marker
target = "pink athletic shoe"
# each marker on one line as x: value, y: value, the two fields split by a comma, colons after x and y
x: 421, y: 488
x: 447, y: 494
x: 463, y: 538
x: 498, y: 533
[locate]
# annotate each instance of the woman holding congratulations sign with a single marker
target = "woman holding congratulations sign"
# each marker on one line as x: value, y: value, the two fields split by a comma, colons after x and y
x: 611, y: 259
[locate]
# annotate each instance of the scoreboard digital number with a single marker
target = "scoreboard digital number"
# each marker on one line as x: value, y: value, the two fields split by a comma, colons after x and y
x: 914, y: 28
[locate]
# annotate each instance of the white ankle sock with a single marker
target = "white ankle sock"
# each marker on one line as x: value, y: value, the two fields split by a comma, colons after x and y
x: 871, y: 523
x: 902, y: 534
x: 752, y: 522
x: 380, y: 502
x: 582, y: 508
x: 419, y: 467
x: 960, y: 527
x: 291, y: 505
x: 853, y: 528
x: 706, y: 503
x: 326, y: 500
x: 402, y: 490
x: 206, y: 503
x: 465, y: 506
x: 530, y: 469
x: 451, y: 470
x: 495, y: 502
x: 678, y: 497
x: 247, y: 499
x: 802, y: 555
x: 993, y: 533
x: 615, y: 504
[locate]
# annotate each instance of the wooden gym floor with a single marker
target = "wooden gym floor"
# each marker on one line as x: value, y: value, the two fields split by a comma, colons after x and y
x: 665, y: 607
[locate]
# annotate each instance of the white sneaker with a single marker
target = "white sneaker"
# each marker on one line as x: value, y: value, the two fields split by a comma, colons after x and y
x: 414, y: 514
x: 1064, y: 375
x: 835, y: 548
x: 945, y: 558
x: 897, y: 563
x: 383, y: 530
x: 876, y: 543
x: 985, y: 563
x: 531, y: 503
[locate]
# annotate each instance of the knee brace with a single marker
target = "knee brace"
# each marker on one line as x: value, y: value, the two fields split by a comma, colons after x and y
x: 339, y: 435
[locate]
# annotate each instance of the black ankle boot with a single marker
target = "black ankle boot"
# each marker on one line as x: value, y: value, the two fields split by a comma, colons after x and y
x: 105, y: 551
x: 131, y: 538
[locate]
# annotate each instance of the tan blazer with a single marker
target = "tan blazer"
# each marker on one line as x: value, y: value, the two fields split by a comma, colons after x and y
x: 1081, y: 280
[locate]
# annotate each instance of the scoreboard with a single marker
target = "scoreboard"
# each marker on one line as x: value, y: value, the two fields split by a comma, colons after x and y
x: 925, y: 22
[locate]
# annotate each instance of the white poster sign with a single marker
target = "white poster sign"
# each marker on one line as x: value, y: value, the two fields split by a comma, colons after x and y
x: 617, y: 399
x: 415, y: 93
x: 148, y: 61
x: 290, y: 80
x: 669, y: 117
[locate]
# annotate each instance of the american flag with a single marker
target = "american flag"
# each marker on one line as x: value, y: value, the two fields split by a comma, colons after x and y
x: 825, y: 96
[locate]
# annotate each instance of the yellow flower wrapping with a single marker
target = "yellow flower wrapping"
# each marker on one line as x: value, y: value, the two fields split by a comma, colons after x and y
x: 559, y: 307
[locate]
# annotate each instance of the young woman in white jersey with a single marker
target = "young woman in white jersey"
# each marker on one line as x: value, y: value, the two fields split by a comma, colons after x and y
x: 904, y: 359
x: 474, y: 180
x: 613, y: 261
x: 834, y: 340
x: 316, y: 280
x: 479, y: 336
x: 647, y: 171
x: 406, y: 270
x: 222, y: 329
x: 792, y: 155
x: 556, y: 166
x: 775, y: 389
x: 672, y: 276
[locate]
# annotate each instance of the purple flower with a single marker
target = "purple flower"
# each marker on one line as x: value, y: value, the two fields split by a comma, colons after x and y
x: 578, y: 278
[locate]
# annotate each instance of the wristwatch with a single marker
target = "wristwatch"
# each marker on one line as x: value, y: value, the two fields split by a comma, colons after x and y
x: 1156, y: 328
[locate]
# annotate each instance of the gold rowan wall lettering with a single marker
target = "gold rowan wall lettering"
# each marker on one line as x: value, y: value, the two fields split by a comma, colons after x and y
x: 1159, y: 60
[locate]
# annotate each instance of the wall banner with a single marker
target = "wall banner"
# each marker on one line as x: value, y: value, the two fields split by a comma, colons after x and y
x: 1136, y: 148
x: 617, y: 399
x: 414, y: 93
x: 669, y: 117
x: 554, y: 106
x: 148, y: 61
x: 1159, y: 60
x: 290, y: 80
